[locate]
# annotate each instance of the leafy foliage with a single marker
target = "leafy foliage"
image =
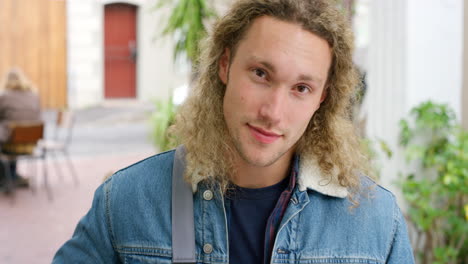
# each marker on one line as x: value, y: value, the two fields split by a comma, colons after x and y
x: 185, y: 24
x: 437, y: 193
x: 161, y: 119
x: 374, y: 150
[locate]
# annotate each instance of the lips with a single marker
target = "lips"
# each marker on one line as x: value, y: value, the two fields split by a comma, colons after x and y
x: 263, y: 136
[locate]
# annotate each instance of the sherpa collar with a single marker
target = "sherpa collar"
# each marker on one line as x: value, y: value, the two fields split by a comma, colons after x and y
x: 312, y: 177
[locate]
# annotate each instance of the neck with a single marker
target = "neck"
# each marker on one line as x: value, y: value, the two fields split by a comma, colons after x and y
x: 252, y: 176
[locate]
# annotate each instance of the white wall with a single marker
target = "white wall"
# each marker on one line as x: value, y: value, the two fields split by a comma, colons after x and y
x: 156, y: 74
x: 84, y: 53
x: 435, y: 45
x: 361, y: 30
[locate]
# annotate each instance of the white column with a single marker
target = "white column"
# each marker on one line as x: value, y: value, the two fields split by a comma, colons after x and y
x: 84, y: 53
x: 386, y: 100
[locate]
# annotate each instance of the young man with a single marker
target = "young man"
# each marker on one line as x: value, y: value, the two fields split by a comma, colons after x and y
x: 271, y: 155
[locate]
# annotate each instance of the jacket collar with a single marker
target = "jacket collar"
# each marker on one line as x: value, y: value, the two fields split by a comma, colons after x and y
x: 312, y: 177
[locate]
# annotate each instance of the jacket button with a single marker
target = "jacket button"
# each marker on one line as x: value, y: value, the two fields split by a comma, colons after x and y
x: 208, y: 248
x: 208, y: 195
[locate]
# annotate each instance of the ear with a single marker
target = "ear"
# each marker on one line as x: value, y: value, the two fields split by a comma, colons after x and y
x: 223, y: 71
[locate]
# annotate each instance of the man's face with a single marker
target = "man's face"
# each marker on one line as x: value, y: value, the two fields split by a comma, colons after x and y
x: 274, y: 84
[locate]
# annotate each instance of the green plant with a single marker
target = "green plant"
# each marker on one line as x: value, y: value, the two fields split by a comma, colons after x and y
x: 161, y: 119
x: 186, y: 25
x: 374, y: 150
x: 437, y: 192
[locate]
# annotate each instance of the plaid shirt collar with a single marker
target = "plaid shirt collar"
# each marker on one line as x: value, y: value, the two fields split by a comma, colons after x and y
x: 277, y: 214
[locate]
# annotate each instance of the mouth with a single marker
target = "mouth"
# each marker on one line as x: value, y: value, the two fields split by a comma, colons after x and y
x: 263, y: 136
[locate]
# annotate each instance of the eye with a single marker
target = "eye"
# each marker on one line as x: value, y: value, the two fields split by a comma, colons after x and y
x: 303, y: 89
x: 259, y: 73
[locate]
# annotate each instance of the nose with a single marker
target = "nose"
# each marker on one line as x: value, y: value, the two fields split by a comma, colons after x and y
x: 272, y: 106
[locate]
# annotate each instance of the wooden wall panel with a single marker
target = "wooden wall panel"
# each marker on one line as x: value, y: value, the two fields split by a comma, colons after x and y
x: 33, y: 37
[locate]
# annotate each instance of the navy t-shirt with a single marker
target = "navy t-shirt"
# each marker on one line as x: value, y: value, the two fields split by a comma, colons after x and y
x: 248, y: 212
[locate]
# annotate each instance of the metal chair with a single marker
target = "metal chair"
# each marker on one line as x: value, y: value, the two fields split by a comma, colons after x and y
x: 22, y: 143
x: 60, y: 141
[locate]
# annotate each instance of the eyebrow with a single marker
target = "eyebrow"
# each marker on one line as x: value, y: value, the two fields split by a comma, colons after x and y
x: 302, y: 77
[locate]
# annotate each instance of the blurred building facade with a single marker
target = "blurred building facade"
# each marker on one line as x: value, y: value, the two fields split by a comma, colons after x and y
x: 411, y: 51
x: 103, y: 65
x: 33, y: 38
x: 80, y: 53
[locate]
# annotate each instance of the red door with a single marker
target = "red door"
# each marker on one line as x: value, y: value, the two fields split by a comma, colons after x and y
x: 120, y: 50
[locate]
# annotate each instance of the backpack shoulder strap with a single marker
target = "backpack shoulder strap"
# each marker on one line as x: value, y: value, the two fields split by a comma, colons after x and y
x: 183, y: 229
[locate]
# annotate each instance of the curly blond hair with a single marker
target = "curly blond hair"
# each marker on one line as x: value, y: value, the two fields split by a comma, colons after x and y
x: 330, y: 136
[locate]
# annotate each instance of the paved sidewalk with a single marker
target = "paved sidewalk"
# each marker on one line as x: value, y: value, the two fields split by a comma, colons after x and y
x: 106, y: 139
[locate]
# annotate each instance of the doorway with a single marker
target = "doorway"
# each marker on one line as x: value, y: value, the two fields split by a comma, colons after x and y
x: 120, y: 51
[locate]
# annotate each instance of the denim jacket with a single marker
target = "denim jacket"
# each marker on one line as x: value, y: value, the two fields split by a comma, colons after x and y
x: 130, y: 222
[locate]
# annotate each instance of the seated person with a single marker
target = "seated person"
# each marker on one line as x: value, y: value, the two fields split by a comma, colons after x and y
x: 18, y: 102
